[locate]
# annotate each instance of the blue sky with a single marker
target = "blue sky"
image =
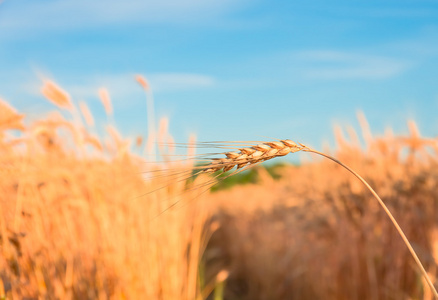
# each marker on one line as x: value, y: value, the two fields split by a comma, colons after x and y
x: 230, y: 70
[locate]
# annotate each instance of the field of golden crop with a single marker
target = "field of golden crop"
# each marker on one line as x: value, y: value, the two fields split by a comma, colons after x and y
x: 84, y: 217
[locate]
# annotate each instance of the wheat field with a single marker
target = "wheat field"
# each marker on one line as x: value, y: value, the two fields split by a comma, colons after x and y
x: 84, y: 216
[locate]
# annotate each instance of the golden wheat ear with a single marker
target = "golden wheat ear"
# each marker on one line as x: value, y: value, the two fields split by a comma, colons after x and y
x: 251, y: 155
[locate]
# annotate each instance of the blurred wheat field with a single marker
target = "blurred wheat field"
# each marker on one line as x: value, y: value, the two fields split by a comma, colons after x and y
x: 78, y: 220
x: 73, y: 225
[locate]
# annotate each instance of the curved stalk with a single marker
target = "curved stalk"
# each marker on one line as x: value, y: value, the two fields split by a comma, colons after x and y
x: 382, y: 204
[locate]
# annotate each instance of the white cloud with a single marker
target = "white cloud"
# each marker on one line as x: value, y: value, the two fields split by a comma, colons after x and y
x: 327, y: 64
x: 179, y: 81
x: 68, y: 14
x: 407, y: 12
x: 423, y: 45
x: 121, y: 86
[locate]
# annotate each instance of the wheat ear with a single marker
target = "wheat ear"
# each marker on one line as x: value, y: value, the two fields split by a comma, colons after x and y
x: 255, y: 154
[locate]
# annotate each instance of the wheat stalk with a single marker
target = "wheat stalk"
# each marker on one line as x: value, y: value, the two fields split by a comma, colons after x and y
x: 86, y: 113
x: 150, y: 145
x: 249, y: 156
